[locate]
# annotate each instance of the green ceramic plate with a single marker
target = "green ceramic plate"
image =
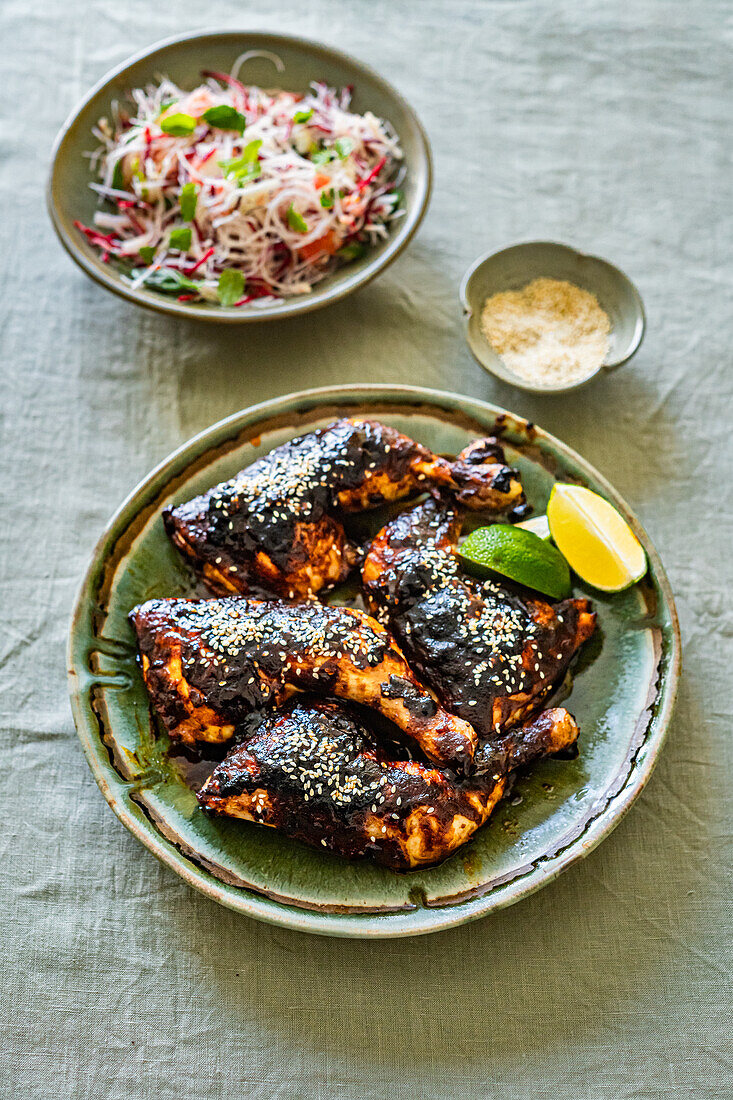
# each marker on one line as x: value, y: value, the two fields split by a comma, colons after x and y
x: 622, y: 696
x: 182, y: 59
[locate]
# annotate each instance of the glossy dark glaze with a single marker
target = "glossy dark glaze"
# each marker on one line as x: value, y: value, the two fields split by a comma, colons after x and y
x: 207, y: 664
x: 491, y: 651
x: 275, y: 526
x: 314, y: 772
x: 522, y: 745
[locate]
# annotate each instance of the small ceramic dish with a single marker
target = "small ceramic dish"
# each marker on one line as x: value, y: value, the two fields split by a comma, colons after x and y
x: 513, y: 268
x: 183, y: 58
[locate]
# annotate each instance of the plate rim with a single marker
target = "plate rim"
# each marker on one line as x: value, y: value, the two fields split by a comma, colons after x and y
x: 393, y: 924
x: 397, y: 243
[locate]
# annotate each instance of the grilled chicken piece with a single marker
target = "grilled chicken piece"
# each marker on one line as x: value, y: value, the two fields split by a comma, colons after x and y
x: 209, y: 663
x: 492, y: 652
x: 276, y: 526
x: 315, y: 773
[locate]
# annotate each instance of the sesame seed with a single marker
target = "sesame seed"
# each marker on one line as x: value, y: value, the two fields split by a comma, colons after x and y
x: 493, y: 643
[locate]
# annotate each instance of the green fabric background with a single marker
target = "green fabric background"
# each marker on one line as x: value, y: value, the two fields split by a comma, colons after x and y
x: 607, y: 126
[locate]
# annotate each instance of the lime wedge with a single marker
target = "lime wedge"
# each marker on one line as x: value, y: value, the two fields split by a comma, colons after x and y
x: 538, y: 525
x: 519, y: 555
x: 596, y: 541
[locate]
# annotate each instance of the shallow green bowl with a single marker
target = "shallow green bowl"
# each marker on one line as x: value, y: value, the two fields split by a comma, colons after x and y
x: 622, y: 696
x: 70, y: 198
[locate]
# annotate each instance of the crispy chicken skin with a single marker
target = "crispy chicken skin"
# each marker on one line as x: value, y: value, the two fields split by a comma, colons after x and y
x: 314, y: 772
x: 492, y: 652
x: 275, y: 527
x: 208, y: 663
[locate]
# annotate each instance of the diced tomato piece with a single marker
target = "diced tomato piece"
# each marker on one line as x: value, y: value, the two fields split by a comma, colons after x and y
x: 325, y: 245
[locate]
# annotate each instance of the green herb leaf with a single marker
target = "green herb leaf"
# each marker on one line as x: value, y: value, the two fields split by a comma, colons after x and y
x: 188, y: 201
x: 231, y: 286
x: 343, y: 147
x: 118, y: 180
x: 180, y: 239
x: 178, y: 125
x: 323, y: 156
x: 327, y: 199
x: 147, y: 253
x: 351, y: 251
x: 245, y: 165
x: 303, y: 116
x: 224, y: 117
x: 296, y: 221
x: 168, y: 280
x: 398, y: 196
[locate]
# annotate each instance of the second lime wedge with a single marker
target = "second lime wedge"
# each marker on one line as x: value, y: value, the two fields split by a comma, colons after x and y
x: 519, y: 555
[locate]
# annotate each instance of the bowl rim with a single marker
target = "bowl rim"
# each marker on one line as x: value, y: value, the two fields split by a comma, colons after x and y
x: 330, y: 293
x: 371, y: 925
x: 505, y: 373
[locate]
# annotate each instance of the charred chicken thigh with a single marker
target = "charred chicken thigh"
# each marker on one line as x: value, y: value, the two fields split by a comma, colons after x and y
x: 276, y: 526
x: 391, y: 735
x: 208, y: 663
x: 491, y: 652
x: 315, y: 773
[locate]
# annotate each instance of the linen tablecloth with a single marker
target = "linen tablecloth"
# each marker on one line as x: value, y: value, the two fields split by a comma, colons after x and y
x: 607, y: 126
